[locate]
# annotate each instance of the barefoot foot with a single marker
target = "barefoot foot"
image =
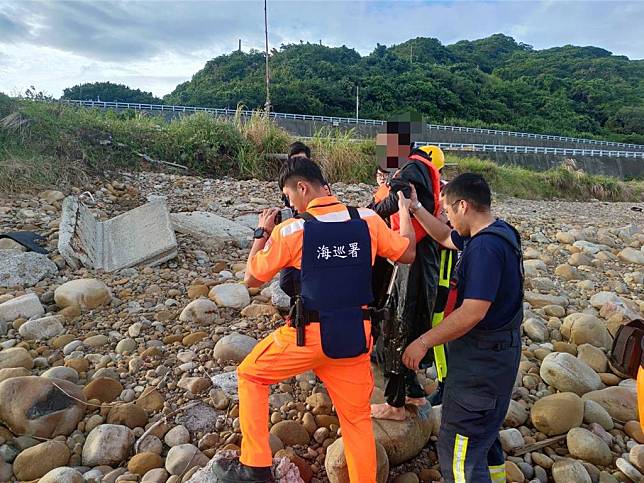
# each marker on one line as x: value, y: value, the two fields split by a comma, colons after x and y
x: 385, y: 411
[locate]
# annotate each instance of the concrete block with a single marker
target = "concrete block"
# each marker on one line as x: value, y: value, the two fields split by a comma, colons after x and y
x: 208, y: 226
x: 142, y: 236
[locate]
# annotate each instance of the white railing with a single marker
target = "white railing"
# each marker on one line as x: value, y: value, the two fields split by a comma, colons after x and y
x: 495, y: 148
x: 347, y: 120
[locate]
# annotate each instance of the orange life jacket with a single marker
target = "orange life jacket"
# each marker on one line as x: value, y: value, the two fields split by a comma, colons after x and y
x: 434, y: 176
x: 381, y: 193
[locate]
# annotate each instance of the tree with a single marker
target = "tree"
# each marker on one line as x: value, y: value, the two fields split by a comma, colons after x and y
x: 109, y: 92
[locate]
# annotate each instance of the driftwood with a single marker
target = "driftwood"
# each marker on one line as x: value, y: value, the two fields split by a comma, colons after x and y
x: 535, y: 446
x: 158, y: 161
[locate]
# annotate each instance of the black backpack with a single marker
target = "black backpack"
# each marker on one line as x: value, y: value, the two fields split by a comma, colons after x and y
x: 627, y: 354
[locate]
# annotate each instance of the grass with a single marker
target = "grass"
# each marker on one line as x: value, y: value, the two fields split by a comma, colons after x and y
x: 559, y: 183
x: 53, y: 145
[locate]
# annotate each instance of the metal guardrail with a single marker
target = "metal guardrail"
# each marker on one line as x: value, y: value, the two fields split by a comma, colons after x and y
x: 495, y: 148
x: 347, y: 120
x: 224, y: 112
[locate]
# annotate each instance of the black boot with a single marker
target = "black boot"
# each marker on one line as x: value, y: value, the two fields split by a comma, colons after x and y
x: 233, y: 471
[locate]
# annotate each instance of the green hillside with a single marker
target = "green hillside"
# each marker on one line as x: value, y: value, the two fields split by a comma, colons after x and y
x: 492, y: 82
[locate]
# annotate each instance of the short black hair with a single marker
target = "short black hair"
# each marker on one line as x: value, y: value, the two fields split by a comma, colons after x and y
x: 299, y: 148
x: 472, y: 188
x: 302, y: 168
x: 381, y: 170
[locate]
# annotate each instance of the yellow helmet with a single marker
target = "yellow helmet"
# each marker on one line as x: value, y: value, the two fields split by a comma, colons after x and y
x: 435, y: 155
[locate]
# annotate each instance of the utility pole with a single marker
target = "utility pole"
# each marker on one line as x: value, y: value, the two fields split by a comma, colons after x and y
x: 357, y: 101
x: 267, y: 106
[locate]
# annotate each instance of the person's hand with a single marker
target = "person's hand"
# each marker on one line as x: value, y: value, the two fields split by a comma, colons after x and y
x: 414, y: 195
x: 403, y: 203
x: 413, y: 354
x: 267, y: 219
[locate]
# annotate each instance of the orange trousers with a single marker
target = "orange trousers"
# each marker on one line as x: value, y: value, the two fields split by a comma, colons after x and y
x: 348, y: 381
x: 640, y: 395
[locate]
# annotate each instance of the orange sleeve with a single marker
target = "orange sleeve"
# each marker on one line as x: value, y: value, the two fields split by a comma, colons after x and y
x: 389, y: 244
x: 275, y: 256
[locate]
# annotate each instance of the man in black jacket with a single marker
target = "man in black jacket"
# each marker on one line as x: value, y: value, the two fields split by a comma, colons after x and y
x: 416, y: 285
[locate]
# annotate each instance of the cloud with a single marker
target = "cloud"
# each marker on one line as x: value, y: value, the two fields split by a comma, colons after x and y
x: 153, y: 44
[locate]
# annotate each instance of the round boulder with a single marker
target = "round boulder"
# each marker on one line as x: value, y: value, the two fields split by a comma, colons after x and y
x: 107, y: 444
x: 234, y: 347
x: 234, y: 295
x: 16, y: 357
x: 558, y: 413
x: 403, y: 440
x: 201, y: 311
x: 335, y: 463
x: 619, y: 401
x: 568, y: 374
x: 42, y: 329
x: 33, y: 405
x: 567, y: 471
x: 37, y: 461
x: 88, y: 293
x: 291, y: 433
x: 589, y: 447
x: 64, y: 474
x: 183, y: 458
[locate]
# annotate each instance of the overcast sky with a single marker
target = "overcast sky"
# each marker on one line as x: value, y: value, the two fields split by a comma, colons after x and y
x: 154, y: 45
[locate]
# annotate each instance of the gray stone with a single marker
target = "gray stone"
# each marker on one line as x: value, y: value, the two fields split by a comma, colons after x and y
x: 18, y: 269
x: 25, y: 306
x: 200, y: 311
x: 595, y: 413
x: 143, y: 235
x: 629, y: 470
x: 567, y: 471
x: 63, y: 474
x: 234, y: 295
x: 184, y: 457
x: 250, y: 220
x: 61, y: 372
x: 203, y: 225
x: 403, y: 440
x: 87, y: 293
x: 107, y: 444
x: 176, y: 436
x: 234, y: 347
x: 539, y: 300
x: 37, y: 406
x: 589, y: 447
x: 517, y: 414
x: 620, y: 402
x: 511, y: 439
x: 567, y: 373
x: 536, y: 330
x: 335, y: 463
x: 631, y: 255
x: 279, y: 298
x: 42, y: 329
x: 227, y: 381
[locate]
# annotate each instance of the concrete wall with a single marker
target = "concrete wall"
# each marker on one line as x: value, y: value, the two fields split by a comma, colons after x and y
x: 622, y: 168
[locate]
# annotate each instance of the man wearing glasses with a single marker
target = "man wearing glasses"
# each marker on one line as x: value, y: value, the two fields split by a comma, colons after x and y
x: 484, y: 332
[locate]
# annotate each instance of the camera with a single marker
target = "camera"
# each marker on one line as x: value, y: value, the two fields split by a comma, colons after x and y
x: 397, y: 184
x: 283, y: 214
